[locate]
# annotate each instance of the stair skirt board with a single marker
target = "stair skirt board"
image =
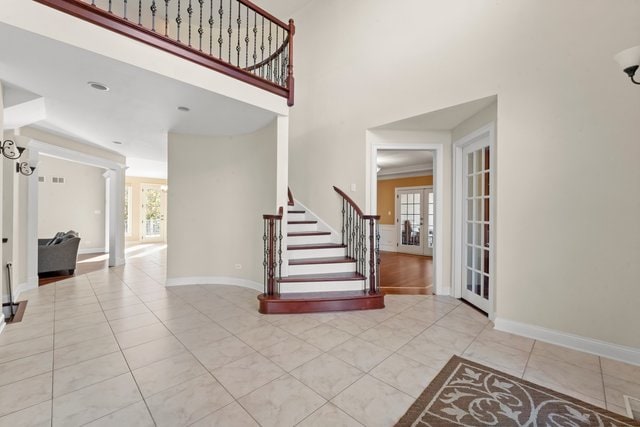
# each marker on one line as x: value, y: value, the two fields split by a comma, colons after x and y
x: 320, y: 302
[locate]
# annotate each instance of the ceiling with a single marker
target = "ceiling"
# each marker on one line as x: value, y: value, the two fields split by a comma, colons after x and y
x: 139, y: 109
x: 404, y: 162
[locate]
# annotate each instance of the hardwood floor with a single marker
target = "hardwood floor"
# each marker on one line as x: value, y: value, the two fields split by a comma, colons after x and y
x: 87, y: 263
x: 406, y: 274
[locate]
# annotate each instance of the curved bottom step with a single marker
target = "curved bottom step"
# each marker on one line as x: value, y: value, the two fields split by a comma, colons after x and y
x: 317, y: 302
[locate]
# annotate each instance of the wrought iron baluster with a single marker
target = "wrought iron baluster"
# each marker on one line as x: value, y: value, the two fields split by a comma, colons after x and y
x: 153, y: 9
x: 110, y: 1
x: 372, y: 266
x: 265, y: 254
x: 378, y: 260
x: 139, y: 12
x: 262, y: 50
x: 280, y: 237
x: 277, y: 58
x: 356, y: 236
x: 179, y: 22
x: 255, y: 37
x: 190, y: 13
x: 220, y: 39
x: 239, y: 21
x: 166, y: 18
x: 93, y: 2
x: 246, y: 42
x: 210, y: 27
x: 124, y: 16
x: 200, y: 29
x: 344, y: 202
x: 230, y: 30
x: 270, y: 39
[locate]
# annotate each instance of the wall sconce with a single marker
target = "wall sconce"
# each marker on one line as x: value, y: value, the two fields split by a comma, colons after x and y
x: 629, y: 60
x: 10, y: 150
x: 24, y: 168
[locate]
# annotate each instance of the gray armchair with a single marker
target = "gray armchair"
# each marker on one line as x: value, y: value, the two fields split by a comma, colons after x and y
x: 57, y: 256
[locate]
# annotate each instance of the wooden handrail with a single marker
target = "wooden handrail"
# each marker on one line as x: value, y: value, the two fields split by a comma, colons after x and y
x: 274, y: 74
x: 290, y: 201
x: 274, y: 216
x: 349, y: 200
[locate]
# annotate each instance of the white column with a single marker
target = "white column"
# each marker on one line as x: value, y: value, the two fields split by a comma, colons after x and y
x: 116, y: 217
x: 31, y: 182
x: 282, y: 181
x: 2, y: 274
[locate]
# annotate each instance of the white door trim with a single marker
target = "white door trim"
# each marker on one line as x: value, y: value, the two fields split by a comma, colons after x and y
x: 458, y: 212
x: 371, y: 196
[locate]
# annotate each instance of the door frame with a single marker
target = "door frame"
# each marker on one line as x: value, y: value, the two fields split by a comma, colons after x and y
x: 425, y: 208
x: 412, y: 141
x: 488, y: 131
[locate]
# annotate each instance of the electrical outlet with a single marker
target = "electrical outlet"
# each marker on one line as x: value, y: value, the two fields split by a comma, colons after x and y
x: 238, y: 266
x: 353, y: 188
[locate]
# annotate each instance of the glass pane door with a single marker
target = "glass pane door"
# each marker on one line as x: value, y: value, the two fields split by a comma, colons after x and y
x: 415, y: 220
x: 477, y: 225
x: 153, y: 213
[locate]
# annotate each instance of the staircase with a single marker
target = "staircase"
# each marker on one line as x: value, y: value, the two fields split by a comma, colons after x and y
x: 323, y: 275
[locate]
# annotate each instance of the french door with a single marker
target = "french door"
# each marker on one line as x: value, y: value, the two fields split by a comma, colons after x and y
x: 477, y: 223
x: 415, y: 213
x: 154, y: 208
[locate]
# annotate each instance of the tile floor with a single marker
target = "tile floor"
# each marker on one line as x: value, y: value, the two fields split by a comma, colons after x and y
x: 115, y: 347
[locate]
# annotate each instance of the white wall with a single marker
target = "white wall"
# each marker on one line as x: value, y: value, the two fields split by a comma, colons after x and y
x: 219, y: 189
x: 77, y: 204
x: 567, y: 243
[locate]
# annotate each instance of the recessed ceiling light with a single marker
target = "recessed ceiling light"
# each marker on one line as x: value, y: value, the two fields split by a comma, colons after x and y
x: 117, y: 142
x: 181, y: 108
x: 98, y: 86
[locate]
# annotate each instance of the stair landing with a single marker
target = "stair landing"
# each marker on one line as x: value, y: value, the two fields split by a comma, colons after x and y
x: 315, y: 302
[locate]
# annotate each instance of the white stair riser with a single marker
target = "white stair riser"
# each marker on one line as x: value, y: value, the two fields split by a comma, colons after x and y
x: 294, y: 228
x: 349, y: 285
x: 317, y: 253
x: 341, y: 267
x: 296, y: 217
x: 308, y: 240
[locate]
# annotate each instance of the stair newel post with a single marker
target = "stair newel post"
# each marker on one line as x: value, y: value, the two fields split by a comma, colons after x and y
x: 265, y: 252
x: 271, y: 261
x: 372, y: 265
x: 272, y: 242
x: 280, y: 236
x: 343, y: 219
x: 378, y: 254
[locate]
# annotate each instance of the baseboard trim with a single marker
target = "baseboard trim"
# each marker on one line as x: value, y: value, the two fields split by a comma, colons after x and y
x: 214, y: 280
x: 23, y: 287
x: 576, y: 342
x: 84, y: 251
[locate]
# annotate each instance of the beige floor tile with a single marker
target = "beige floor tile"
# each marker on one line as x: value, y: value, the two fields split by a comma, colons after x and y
x: 448, y: 338
x: 617, y: 410
x: 222, y: 352
x: 26, y: 367
x: 147, y: 353
x: 405, y: 374
x: 142, y: 335
x: 74, y: 377
x: 232, y: 415
x: 325, y: 337
x: 578, y: 358
x: 25, y: 348
x: 327, y: 375
x: 295, y: 324
x: 25, y: 393
x: 136, y: 415
x: 188, y: 402
x: 174, y: 312
x: 71, y: 312
x: 351, y: 323
x: 498, y: 356
x: 35, y: 416
x: 90, y: 349
x: 12, y: 335
x: 263, y: 337
x: 95, y: 401
x: 373, y: 403
x: 166, y: 373
x: 133, y: 322
x: 240, y: 322
x: 247, y: 374
x: 490, y: 335
x: 462, y: 324
x: 543, y: 370
x: 64, y: 302
x: 377, y: 316
x: 120, y: 302
x: 361, y: 354
x: 615, y: 388
x: 80, y: 321
x: 622, y: 370
x: 79, y: 335
x: 407, y: 325
x: 283, y: 402
x: 384, y: 336
x: 291, y: 353
x: 329, y: 415
x: 203, y: 335
x: 427, y: 353
x: 126, y: 311
x: 186, y: 323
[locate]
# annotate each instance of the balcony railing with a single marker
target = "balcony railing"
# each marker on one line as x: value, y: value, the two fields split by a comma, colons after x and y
x: 234, y: 37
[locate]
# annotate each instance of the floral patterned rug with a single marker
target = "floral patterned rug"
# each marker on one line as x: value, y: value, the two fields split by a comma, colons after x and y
x: 466, y: 393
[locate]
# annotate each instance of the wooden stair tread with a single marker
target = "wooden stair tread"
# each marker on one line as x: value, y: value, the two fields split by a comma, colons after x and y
x: 308, y: 233
x: 298, y: 211
x: 323, y: 277
x: 316, y: 246
x: 314, y: 302
x: 326, y: 260
x: 302, y: 222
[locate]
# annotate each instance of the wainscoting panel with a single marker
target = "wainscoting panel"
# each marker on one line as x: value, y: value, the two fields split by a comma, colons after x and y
x: 388, y: 238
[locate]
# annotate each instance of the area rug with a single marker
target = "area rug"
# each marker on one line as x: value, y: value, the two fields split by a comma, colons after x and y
x: 466, y: 393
